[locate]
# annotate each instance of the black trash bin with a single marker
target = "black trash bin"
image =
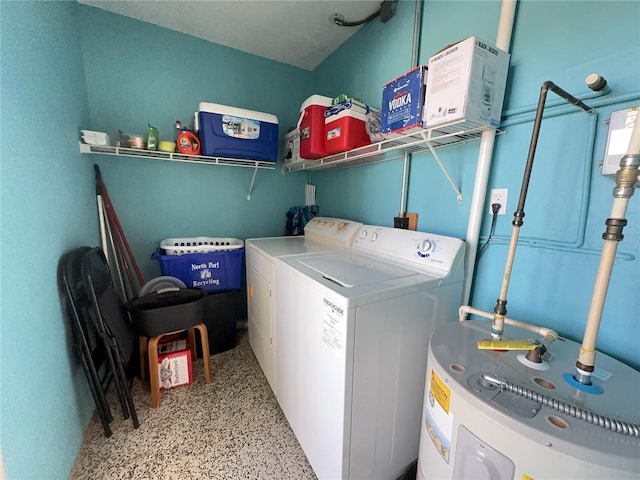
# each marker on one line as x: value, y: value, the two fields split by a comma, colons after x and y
x: 168, y: 310
x: 220, y: 318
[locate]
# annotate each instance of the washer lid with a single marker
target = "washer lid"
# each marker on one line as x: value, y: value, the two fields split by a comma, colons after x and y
x: 282, y: 246
x: 350, y: 270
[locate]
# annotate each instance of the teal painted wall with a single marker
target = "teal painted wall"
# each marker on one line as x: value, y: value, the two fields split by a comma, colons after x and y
x: 568, y: 199
x: 67, y: 67
x: 48, y: 207
x: 139, y: 73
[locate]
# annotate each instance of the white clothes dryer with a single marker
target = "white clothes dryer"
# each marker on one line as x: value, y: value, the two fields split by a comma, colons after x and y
x: 322, y: 234
x: 353, y: 328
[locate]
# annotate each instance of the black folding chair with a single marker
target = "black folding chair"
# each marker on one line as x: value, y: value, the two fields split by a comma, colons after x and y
x: 87, y: 347
x: 113, y: 325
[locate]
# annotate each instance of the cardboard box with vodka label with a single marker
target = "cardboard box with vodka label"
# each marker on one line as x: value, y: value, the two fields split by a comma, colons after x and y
x: 466, y: 85
x: 403, y: 103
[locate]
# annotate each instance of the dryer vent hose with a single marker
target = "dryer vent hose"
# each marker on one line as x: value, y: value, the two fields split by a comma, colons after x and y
x: 604, y: 422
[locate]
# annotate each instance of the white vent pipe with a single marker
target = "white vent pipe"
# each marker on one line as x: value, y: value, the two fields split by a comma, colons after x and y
x: 503, y: 42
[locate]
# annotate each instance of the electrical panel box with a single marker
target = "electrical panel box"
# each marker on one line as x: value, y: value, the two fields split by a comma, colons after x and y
x: 621, y: 125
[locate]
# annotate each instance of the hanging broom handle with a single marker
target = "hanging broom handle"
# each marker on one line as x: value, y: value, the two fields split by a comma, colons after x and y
x: 102, y: 189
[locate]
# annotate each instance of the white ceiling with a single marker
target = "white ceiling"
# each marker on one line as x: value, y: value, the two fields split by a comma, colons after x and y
x: 295, y: 32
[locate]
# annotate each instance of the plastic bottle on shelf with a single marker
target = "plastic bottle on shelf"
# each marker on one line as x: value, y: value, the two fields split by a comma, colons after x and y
x: 152, y: 138
x: 187, y: 142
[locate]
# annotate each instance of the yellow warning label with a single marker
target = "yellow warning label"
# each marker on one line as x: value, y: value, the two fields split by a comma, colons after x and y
x: 528, y: 344
x: 441, y: 392
x: 527, y: 477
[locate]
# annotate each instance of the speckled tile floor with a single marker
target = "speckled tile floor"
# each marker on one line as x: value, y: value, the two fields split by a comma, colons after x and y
x: 231, y: 428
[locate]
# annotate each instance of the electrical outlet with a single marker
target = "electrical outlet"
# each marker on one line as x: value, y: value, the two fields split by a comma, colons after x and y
x: 401, y: 222
x: 499, y: 195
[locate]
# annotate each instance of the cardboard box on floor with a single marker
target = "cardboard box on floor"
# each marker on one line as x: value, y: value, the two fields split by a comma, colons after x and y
x: 174, y: 362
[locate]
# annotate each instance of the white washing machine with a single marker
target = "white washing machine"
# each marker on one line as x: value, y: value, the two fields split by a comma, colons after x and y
x: 322, y: 234
x: 352, y: 330
x: 475, y: 426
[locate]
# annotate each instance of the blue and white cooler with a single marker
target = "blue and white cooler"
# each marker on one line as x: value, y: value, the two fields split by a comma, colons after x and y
x: 233, y: 132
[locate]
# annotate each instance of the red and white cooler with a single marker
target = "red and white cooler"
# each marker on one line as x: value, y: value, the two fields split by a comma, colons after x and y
x: 311, y: 127
x: 345, y: 127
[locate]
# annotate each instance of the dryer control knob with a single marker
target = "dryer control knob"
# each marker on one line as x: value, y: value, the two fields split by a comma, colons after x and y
x: 425, y: 246
x: 363, y: 234
x: 373, y: 236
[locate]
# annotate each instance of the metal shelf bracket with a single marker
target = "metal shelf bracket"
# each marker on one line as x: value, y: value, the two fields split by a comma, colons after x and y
x: 253, y: 179
x: 446, y: 173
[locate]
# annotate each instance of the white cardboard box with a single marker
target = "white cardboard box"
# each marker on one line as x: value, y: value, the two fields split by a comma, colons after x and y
x: 466, y: 85
x: 291, y: 148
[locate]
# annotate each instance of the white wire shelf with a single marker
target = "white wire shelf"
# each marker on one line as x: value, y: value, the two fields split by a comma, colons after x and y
x: 175, y: 157
x: 392, y: 148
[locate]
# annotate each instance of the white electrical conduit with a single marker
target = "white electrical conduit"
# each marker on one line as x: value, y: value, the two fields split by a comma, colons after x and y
x: 626, y: 178
x: 503, y: 42
x: 417, y: 25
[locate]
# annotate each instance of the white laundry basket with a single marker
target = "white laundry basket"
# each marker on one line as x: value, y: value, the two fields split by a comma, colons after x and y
x: 182, y: 246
